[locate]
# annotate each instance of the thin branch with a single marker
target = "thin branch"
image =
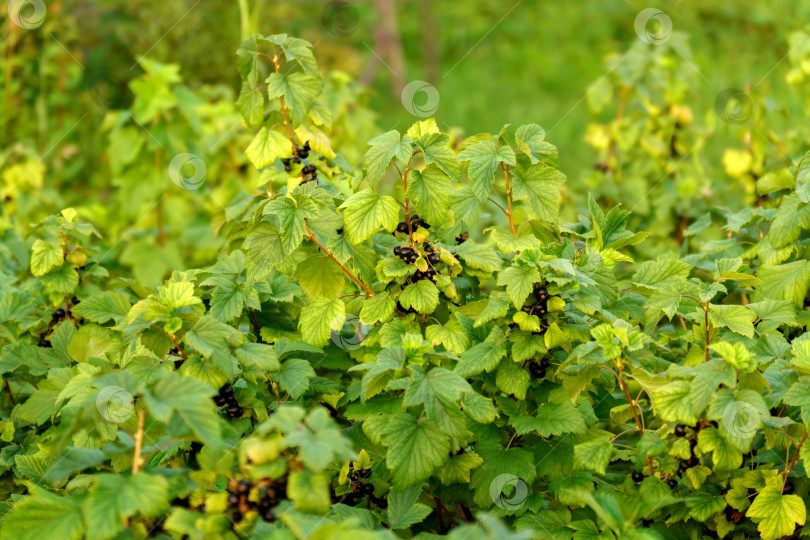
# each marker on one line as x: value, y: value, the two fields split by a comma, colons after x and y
x: 284, y: 107
x: 508, y: 198
x: 331, y: 256
x: 136, y: 459
x: 793, y: 460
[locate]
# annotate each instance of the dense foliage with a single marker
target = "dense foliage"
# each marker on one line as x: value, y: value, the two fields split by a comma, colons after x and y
x: 411, y: 346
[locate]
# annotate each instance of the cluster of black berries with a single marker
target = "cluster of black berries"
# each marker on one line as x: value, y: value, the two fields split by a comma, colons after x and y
x: 540, y: 306
x: 309, y: 173
x: 57, y: 317
x: 303, y: 152
x: 638, y: 477
x: 240, y: 504
x: 693, y: 461
x: 407, y: 254
x: 226, y: 398
x: 289, y: 161
x: 460, y: 239
x: 538, y: 370
x: 416, y: 222
x: 360, y: 489
x: 174, y: 351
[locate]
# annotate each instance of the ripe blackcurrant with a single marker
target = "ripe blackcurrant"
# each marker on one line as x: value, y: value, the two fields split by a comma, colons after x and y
x: 226, y: 390
x: 637, y: 476
x: 536, y: 370
x: 545, y: 362
x: 219, y: 401
x: 367, y: 489
x: 434, y: 258
x: 354, y: 476
x: 672, y: 483
x: 365, y: 473
x: 58, y: 313
x: 233, y: 499
x: 680, y: 430
x: 244, y: 486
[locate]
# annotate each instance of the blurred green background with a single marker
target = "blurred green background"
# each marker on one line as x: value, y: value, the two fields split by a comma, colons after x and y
x: 70, y: 110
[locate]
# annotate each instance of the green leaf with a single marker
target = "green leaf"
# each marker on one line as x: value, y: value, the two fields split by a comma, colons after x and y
x: 403, y: 510
x: 791, y: 218
x: 485, y: 159
x: 423, y: 296
x: 483, y: 357
x: 431, y: 191
x: 366, y: 211
x: 320, y: 276
x: 294, y: 376
x: 266, y: 147
x: 191, y: 401
x: 519, y: 281
x: 320, y: 318
x: 383, y: 149
x: 457, y: 469
x: 593, y: 455
x: 785, y: 281
x: 513, y: 379
x: 45, y: 256
x: 777, y: 515
x: 738, y: 319
x: 437, y: 153
x: 102, y: 307
x: 379, y: 308
x: 663, y: 273
x: 264, y: 249
x: 725, y: 455
x: 309, y: 492
x: 735, y: 354
x: 415, y: 449
x: 551, y: 419
x: 540, y: 186
x: 298, y: 90
x: 44, y: 516
x: 213, y: 339
x: 531, y: 140
x: 479, y: 256
x: 673, y: 403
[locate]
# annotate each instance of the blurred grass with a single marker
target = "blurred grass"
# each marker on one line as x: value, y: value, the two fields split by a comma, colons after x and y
x: 497, y: 61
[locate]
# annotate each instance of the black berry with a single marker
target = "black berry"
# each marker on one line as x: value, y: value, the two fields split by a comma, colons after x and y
x: 672, y: 483
x: 536, y: 370
x: 637, y: 476
x: 680, y: 430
